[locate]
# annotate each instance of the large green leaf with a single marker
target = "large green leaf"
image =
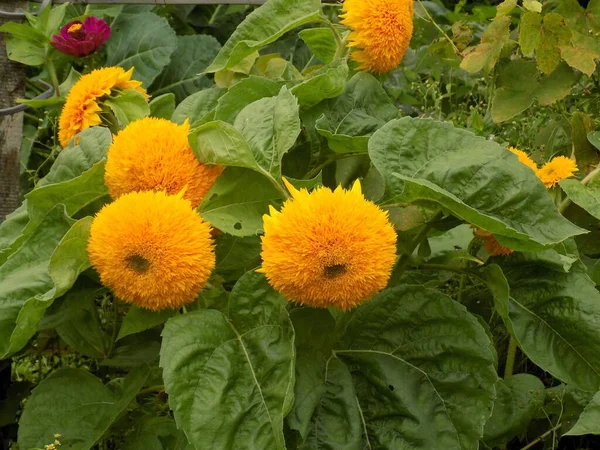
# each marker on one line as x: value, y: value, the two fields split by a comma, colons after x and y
x: 529, y: 32
x: 87, y: 408
x: 321, y: 42
x: 486, y: 54
x: 238, y: 200
x: 349, y: 120
x: 236, y: 255
x: 554, y: 316
x: 516, y: 89
x: 422, y: 368
x: 198, y: 108
x: 423, y: 161
x: 554, y: 34
x: 271, y: 126
x: 183, y: 75
x: 139, y: 319
x: 25, y: 281
x: 128, y: 106
x: 585, y: 196
x: 327, y: 82
x: 242, y: 94
x: 144, y: 41
x: 589, y: 421
x: 264, y: 26
x: 230, y: 378
x: 155, y: 433
x: 519, y: 399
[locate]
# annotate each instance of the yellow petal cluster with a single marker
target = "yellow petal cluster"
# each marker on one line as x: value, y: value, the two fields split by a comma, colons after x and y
x: 153, y: 154
x: 556, y: 170
x: 381, y: 32
x: 524, y: 158
x: 82, y: 107
x: 152, y: 249
x: 328, y: 248
x: 491, y: 244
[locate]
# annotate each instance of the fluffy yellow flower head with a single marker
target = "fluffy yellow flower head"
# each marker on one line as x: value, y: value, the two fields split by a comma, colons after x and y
x: 152, y: 249
x: 154, y: 154
x: 524, y: 158
x: 381, y: 31
x: 81, y: 108
x: 328, y: 248
x: 491, y: 244
x: 557, y: 170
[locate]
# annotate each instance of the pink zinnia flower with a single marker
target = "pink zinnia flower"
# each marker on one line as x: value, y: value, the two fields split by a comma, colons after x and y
x: 81, y: 39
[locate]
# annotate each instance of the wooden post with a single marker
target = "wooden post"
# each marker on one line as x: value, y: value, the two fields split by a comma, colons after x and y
x: 11, y: 127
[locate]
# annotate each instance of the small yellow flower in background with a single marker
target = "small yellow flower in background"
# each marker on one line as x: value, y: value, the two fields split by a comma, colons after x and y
x: 154, y: 154
x: 82, y: 106
x: 556, y: 170
x: 524, y: 158
x: 152, y: 249
x: 328, y: 248
x: 491, y: 244
x: 381, y: 32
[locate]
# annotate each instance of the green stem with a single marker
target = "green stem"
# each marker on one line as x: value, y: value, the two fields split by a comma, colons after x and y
x: 461, y: 287
x: 442, y: 267
x: 152, y: 389
x: 53, y: 77
x: 542, y: 437
x: 589, y: 177
x: 331, y: 159
x: 510, y: 358
x: 454, y: 47
x: 403, y: 261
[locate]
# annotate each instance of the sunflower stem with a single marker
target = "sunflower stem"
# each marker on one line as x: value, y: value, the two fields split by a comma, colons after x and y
x: 53, y: 77
x: 454, y: 47
x: 511, y: 353
x: 404, y: 259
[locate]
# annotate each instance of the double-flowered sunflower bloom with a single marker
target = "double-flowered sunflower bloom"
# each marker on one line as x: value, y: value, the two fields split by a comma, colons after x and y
x: 491, y: 244
x: 328, y: 248
x: 551, y: 173
x: 152, y: 249
x: 83, y: 103
x: 381, y: 32
x: 153, y: 154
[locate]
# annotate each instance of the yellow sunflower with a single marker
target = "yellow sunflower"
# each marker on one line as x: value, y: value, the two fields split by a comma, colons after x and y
x: 381, y: 31
x: 524, y: 158
x: 491, y: 244
x: 82, y: 106
x: 153, y: 154
x: 328, y: 248
x: 557, y: 170
x: 152, y: 249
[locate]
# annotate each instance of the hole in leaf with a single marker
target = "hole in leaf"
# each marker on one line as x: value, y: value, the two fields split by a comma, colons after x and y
x: 391, y: 388
x: 238, y: 226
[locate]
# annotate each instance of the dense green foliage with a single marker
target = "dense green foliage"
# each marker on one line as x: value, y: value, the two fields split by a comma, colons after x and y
x: 463, y: 349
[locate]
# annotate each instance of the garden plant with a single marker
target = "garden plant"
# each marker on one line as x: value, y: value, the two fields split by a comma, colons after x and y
x: 364, y: 225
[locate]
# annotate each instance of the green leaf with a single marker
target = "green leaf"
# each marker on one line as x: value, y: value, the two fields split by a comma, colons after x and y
x: 24, y: 32
x: 135, y: 350
x: 581, y: 57
x: 26, y: 293
x: 128, y: 106
x: 50, y: 19
x: 423, y: 161
x: 321, y: 42
x: 410, y: 349
x: 198, y: 108
x: 25, y: 51
x: 271, y: 126
x: 506, y: 7
x: 162, y: 106
x: 336, y: 424
x: 232, y: 376
x: 349, y: 120
x: 518, y: 400
x: 82, y: 330
x: 88, y: 408
x: 183, y: 75
x: 236, y: 255
x: 516, y: 92
x: 327, y: 82
x: 557, y: 85
x: 264, y: 26
x: 586, y: 197
x: 585, y: 153
x: 589, y: 421
x: 486, y: 54
x: 529, y: 32
x: 554, y: 320
x: 242, y: 94
x: 532, y: 5
x: 594, y: 139
x: 138, y: 319
x: 155, y: 433
x: 314, y: 330
x: 149, y: 52
x: 554, y: 34
x: 238, y: 200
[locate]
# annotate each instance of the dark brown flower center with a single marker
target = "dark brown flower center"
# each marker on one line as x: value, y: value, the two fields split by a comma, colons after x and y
x: 138, y: 263
x: 335, y: 270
